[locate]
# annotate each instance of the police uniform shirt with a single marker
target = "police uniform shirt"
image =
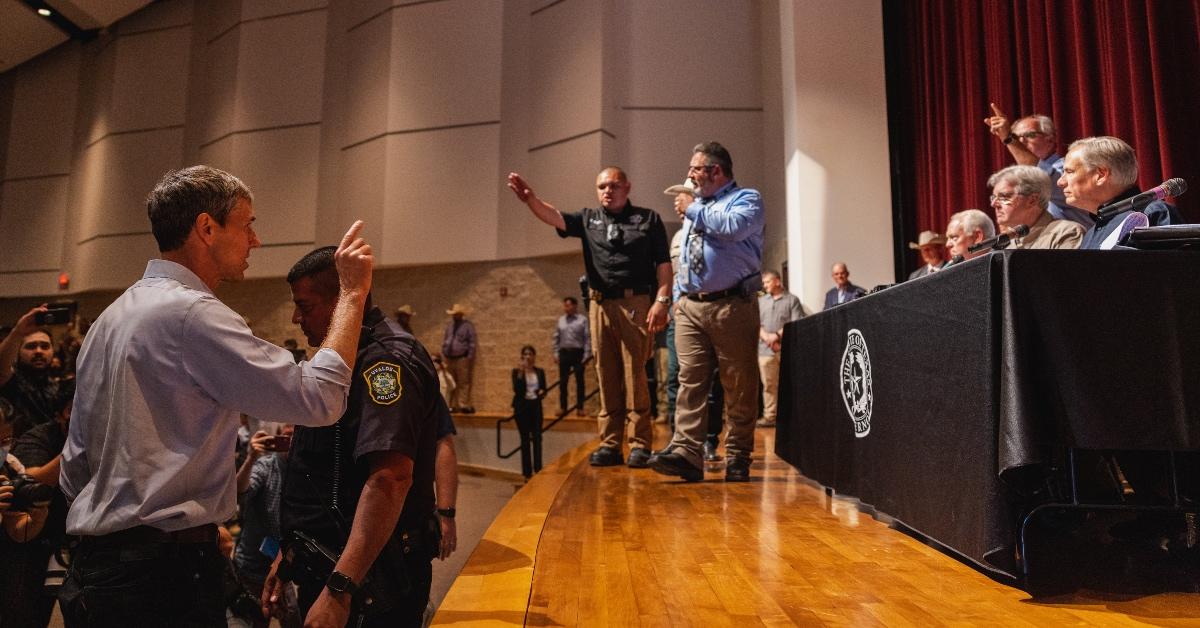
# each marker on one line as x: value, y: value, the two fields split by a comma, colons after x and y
x: 394, y: 405
x: 619, y: 250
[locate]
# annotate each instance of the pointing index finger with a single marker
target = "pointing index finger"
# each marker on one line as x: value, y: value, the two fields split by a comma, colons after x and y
x: 352, y: 233
x: 996, y: 110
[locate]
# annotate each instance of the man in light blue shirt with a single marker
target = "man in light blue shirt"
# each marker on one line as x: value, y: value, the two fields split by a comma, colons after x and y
x: 163, y: 375
x: 716, y: 316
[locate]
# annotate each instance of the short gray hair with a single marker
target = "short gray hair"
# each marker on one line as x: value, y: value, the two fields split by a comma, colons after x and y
x: 1108, y: 152
x: 1028, y: 180
x: 971, y: 219
x: 182, y: 195
x: 1042, y: 122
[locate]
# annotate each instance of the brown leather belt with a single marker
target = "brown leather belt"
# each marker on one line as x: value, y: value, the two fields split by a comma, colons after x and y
x: 206, y: 533
x: 705, y: 297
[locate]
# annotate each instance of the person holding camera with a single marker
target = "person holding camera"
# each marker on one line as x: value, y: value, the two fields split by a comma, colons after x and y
x: 26, y: 354
x: 34, y: 514
x: 529, y: 386
x: 357, y: 508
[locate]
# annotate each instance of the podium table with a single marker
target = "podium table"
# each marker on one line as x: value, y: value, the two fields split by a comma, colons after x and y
x: 939, y: 400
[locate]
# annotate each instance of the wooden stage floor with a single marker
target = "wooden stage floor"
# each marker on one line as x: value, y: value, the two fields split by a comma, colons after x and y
x: 622, y: 547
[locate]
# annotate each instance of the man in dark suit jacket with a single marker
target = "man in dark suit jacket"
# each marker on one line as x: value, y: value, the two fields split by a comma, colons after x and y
x: 932, y: 246
x: 843, y: 291
x: 527, y: 408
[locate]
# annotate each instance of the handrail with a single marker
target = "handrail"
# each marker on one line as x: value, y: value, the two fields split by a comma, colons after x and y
x: 578, y: 406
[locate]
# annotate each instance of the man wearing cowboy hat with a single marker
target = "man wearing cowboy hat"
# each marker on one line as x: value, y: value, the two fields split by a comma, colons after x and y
x: 932, y: 246
x: 458, y: 348
x: 404, y: 315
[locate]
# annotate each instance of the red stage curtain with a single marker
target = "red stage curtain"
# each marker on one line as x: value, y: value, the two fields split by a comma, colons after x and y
x: 1097, y: 67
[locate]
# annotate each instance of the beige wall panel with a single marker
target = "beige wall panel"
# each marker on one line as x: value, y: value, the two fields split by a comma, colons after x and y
x: 280, y: 166
x: 217, y: 17
x: 368, y: 73
x: 43, y: 115
x: 21, y: 284
x: 219, y: 154
x: 97, y: 95
x: 565, y: 71
x: 112, y: 263
x: 114, y: 177
x: 361, y: 191
x: 446, y: 60
x: 565, y: 176
x: 150, y: 80
x: 259, y: 9
x: 278, y: 81
x: 32, y: 215
x: 220, y: 88
x: 667, y: 59
x: 155, y: 16
x: 358, y: 12
x: 275, y: 261
x: 659, y: 154
x: 440, y: 199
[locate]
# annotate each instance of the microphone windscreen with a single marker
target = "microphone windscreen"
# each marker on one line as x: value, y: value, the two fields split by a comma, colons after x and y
x: 1021, y: 230
x: 1175, y: 186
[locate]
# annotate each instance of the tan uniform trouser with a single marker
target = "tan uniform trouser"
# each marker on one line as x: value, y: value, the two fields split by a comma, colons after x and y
x: 460, y: 370
x: 768, y: 372
x: 724, y: 334
x: 621, y: 344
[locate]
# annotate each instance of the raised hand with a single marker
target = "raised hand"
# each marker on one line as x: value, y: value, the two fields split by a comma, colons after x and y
x: 997, y: 123
x: 354, y: 261
x: 520, y: 187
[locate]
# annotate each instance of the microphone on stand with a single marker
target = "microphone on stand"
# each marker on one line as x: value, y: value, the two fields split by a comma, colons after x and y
x: 957, y: 259
x: 1000, y: 240
x: 1170, y: 187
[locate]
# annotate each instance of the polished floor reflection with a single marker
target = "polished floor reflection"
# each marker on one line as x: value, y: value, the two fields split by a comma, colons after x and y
x: 621, y: 547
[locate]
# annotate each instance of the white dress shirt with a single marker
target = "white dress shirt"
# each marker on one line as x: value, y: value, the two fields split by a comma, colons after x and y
x: 162, y: 376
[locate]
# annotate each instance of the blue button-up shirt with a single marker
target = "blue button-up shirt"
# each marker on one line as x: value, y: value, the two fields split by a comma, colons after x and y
x: 730, y: 225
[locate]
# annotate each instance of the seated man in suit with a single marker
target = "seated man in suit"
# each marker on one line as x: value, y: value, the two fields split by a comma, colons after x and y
x: 1100, y: 171
x: 843, y: 291
x: 1021, y: 196
x: 966, y: 229
x: 932, y: 246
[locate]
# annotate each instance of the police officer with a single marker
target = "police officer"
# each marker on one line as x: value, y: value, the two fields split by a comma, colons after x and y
x: 362, y: 488
x: 629, y: 275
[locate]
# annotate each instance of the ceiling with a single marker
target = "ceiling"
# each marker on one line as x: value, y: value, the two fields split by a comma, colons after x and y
x: 24, y: 34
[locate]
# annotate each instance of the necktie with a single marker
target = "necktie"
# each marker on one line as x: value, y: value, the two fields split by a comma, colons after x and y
x: 696, y: 251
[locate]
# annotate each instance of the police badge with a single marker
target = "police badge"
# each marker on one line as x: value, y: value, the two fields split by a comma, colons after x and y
x: 383, y: 382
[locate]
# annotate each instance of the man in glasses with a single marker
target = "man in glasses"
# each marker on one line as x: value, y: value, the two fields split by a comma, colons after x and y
x: 716, y: 316
x: 1021, y: 196
x: 1033, y: 142
x: 629, y: 277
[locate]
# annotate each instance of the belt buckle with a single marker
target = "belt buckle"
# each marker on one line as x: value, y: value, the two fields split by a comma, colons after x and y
x: 597, y: 296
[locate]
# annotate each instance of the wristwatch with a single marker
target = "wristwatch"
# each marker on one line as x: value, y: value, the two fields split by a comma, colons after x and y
x: 339, y: 582
x: 446, y: 512
x: 663, y: 300
x: 1010, y: 139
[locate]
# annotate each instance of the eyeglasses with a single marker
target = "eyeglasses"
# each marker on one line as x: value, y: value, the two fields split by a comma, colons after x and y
x: 1028, y: 135
x: 699, y: 169
x: 1003, y: 199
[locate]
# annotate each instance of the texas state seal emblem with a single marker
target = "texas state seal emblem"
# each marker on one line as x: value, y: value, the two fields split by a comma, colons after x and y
x: 857, y: 391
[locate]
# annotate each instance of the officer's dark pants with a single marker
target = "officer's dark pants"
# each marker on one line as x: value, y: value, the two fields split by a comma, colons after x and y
x: 409, y: 610
x: 672, y: 383
x: 116, y: 580
x: 23, y: 597
x: 569, y: 361
x: 529, y: 424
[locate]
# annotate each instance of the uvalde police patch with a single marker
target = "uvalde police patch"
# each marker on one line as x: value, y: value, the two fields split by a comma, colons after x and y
x: 383, y: 382
x: 857, y: 391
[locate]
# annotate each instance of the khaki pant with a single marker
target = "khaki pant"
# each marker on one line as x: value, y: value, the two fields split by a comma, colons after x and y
x: 723, y: 334
x: 460, y: 370
x: 621, y: 344
x: 768, y: 372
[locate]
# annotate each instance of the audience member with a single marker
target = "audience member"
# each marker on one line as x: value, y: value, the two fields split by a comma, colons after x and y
x: 529, y: 386
x: 1032, y: 140
x: 932, y: 247
x: 445, y: 379
x: 458, y: 350
x: 1020, y: 196
x: 966, y: 229
x: 716, y: 316
x: 572, y: 343
x: 843, y: 291
x: 776, y: 308
x: 162, y: 376
x: 1101, y: 171
x: 25, y: 368
x: 629, y: 274
x: 404, y: 315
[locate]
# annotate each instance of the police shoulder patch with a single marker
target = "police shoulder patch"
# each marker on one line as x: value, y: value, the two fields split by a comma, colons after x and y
x: 383, y: 382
